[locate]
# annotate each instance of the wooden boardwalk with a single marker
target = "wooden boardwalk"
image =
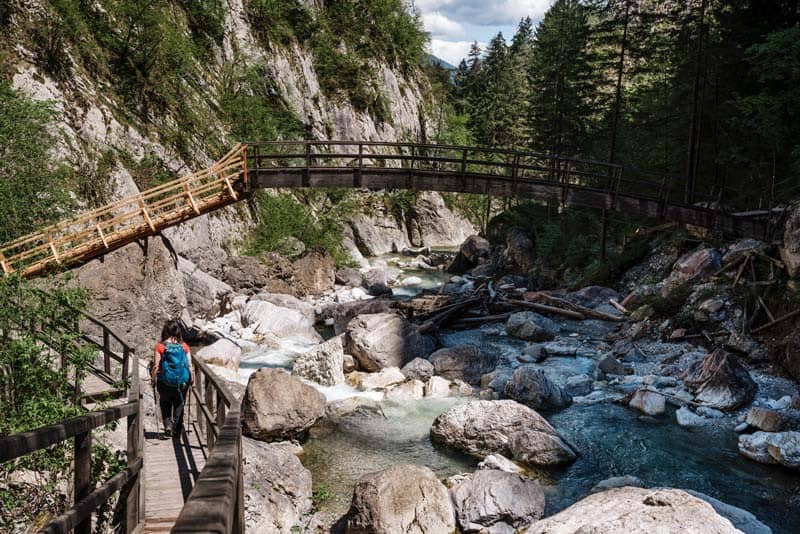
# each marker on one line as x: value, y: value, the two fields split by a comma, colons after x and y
x: 171, y: 467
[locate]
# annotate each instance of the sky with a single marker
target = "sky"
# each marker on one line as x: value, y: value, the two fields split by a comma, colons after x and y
x: 455, y: 24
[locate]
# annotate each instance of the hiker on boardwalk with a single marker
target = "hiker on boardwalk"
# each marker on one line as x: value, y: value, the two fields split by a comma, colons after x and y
x: 172, y: 374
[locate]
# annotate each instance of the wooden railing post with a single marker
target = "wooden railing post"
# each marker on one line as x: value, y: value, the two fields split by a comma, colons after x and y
x: 307, y: 170
x: 83, y: 475
x: 209, y: 396
x: 238, y: 518
x: 134, y: 500
x: 106, y: 351
x: 221, y: 411
x: 360, y: 168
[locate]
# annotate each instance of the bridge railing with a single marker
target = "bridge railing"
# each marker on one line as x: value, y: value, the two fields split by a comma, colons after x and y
x: 87, y: 498
x: 442, y: 159
x: 119, y: 223
x: 216, y: 503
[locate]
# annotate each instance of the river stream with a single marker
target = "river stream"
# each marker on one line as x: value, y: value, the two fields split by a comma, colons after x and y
x: 613, y: 440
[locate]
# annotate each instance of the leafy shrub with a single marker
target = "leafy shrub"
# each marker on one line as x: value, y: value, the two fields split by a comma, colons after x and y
x: 253, y: 108
x: 282, y: 216
x: 34, y: 188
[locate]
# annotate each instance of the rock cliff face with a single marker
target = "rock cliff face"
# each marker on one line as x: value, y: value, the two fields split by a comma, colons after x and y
x: 139, y: 286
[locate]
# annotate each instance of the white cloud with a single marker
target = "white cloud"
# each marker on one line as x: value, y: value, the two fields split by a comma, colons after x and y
x: 451, y: 51
x: 485, y: 13
x: 441, y: 26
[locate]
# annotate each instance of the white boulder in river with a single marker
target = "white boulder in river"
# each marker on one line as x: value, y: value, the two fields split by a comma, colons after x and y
x: 772, y: 448
x: 636, y: 511
x: 720, y: 381
x: 277, y: 487
x: 403, y: 499
x: 382, y: 340
x: 498, y: 501
x: 484, y: 427
x: 323, y: 364
x: 277, y: 406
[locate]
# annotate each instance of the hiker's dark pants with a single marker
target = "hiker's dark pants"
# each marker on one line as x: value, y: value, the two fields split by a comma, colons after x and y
x: 171, y: 401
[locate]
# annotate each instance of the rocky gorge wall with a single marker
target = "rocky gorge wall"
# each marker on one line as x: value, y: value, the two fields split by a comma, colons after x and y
x: 100, y: 136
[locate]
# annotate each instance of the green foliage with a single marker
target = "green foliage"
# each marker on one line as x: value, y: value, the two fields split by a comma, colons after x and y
x: 34, y: 188
x: 347, y: 37
x: 147, y: 172
x: 206, y: 21
x: 283, y: 216
x: 253, y: 109
x: 322, y: 493
x: 280, y: 21
x: 400, y: 201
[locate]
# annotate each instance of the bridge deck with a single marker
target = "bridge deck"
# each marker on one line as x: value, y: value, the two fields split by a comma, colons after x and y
x: 171, y: 467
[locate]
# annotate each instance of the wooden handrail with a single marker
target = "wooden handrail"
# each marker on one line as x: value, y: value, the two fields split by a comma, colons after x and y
x: 216, y: 503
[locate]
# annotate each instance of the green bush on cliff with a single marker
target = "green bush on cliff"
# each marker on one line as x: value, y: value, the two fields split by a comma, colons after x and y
x: 34, y: 190
x: 283, y: 216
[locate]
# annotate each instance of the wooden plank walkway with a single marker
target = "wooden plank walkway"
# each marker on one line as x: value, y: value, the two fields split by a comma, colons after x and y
x: 171, y: 467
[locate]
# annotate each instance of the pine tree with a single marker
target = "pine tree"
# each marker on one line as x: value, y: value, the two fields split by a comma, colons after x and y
x: 558, y: 74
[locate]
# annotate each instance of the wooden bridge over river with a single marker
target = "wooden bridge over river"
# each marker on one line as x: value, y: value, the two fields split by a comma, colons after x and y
x: 194, y: 483
x: 376, y: 166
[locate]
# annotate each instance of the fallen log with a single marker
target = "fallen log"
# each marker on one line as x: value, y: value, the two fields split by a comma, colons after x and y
x: 543, y: 308
x: 619, y: 306
x: 483, y: 319
x: 440, y: 318
x: 583, y: 310
x: 776, y: 321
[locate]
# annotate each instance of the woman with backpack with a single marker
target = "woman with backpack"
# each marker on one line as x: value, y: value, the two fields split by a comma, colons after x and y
x: 172, y: 373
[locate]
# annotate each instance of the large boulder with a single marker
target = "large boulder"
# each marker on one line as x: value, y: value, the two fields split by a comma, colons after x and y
x: 277, y: 406
x: 323, y: 364
x: 790, y: 251
x: 498, y: 501
x: 531, y: 326
x: 385, y: 340
x: 536, y: 448
x: 418, y: 369
x: 277, y: 487
x: 781, y: 448
x: 342, y: 314
x: 315, y: 272
x: 222, y: 353
x: 347, y: 276
x: 741, y: 519
x: 433, y: 224
x: 379, y: 232
x: 720, y: 381
x: 464, y: 362
x: 531, y: 387
x: 473, y: 249
x: 520, y: 252
x: 288, y: 301
x: 636, y: 511
x: 691, y: 267
x: 204, y: 293
x: 266, y: 318
x: 250, y: 275
x: 648, y: 402
x: 484, y: 427
x: 403, y: 499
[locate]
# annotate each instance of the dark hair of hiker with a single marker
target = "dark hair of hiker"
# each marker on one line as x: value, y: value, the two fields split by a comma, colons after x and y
x: 172, y: 328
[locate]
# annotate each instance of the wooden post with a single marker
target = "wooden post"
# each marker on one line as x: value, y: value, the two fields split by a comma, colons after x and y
x: 603, y: 234
x: 515, y: 174
x: 245, y: 176
x: 358, y: 177
x: 190, y: 197
x: 53, y: 247
x: 102, y: 235
x: 209, y: 396
x: 221, y: 411
x: 146, y: 215
x: 238, y: 519
x: 126, y: 357
x: 307, y: 170
x: 4, y: 264
x: 83, y: 476
x: 134, y: 500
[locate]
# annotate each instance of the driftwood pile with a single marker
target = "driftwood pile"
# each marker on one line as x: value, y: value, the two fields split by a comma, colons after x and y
x: 486, y: 305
